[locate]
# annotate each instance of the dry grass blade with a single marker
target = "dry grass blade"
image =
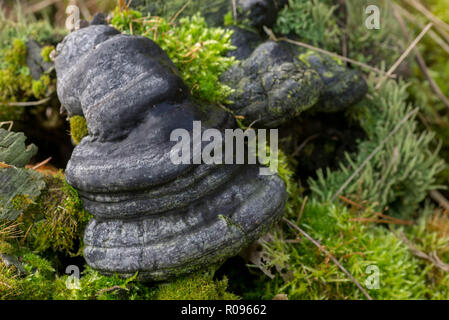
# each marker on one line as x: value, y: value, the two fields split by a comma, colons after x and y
x: 442, y: 27
x: 39, y: 6
x: 270, y: 33
x: 10, y: 230
x: 11, y: 123
x: 440, y: 199
x: 303, y: 205
x: 404, y: 55
x: 40, y: 164
x: 374, y: 220
x: 431, y: 257
x: 4, y: 165
x: 421, y: 62
x: 412, y: 19
x: 28, y: 104
x: 111, y: 289
x: 173, y: 19
x: 323, y: 249
x: 381, y: 218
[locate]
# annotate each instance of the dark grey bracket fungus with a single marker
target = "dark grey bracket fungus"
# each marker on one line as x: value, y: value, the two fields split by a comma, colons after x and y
x: 271, y: 86
x: 274, y: 82
x: 151, y: 216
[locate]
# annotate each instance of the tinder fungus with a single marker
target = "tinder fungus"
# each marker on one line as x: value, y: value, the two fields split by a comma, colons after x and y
x: 275, y: 82
x: 152, y: 216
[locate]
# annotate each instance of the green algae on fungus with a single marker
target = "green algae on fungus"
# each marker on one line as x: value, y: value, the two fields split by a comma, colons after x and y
x: 78, y: 128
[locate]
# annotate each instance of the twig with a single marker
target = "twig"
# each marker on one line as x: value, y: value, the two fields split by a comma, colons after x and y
x: 11, y: 123
x: 40, y: 164
x: 405, y: 54
x: 323, y: 249
x: 5, y: 284
x: 440, y: 199
x: 304, y: 143
x: 407, y: 223
x: 234, y: 9
x: 270, y: 33
x: 84, y: 10
x: 173, y: 19
x: 28, y: 104
x: 407, y: 15
x: 39, y: 6
x: 303, y: 205
x: 385, y: 218
x: 111, y: 289
x: 4, y: 165
x: 422, y: 63
x: 432, y: 257
x: 442, y: 27
x: 375, y: 151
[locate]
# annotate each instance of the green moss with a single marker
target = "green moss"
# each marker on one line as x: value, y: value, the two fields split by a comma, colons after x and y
x: 197, y: 287
x: 46, y: 51
x: 15, y: 80
x: 322, y: 24
x: 198, y: 51
x: 313, y: 21
x: 94, y: 286
x: 311, y: 275
x: 56, y: 220
x: 21, y: 201
x: 229, y: 19
x: 16, y: 83
x: 43, y: 283
x: 78, y: 128
x: 402, y: 172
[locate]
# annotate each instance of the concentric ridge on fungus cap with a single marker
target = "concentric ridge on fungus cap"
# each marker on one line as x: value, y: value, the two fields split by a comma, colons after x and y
x: 152, y: 216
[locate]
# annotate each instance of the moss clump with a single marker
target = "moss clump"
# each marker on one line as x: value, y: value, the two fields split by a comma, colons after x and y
x: 78, y: 128
x: 311, y: 275
x: 40, y: 87
x: 196, y: 287
x: 94, y: 286
x: 46, y: 51
x: 402, y: 172
x: 314, y: 21
x: 323, y: 24
x: 43, y: 283
x: 198, y: 51
x: 56, y: 219
x: 15, y: 80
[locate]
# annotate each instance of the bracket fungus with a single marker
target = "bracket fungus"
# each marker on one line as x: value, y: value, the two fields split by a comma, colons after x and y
x: 152, y: 216
x: 275, y: 82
